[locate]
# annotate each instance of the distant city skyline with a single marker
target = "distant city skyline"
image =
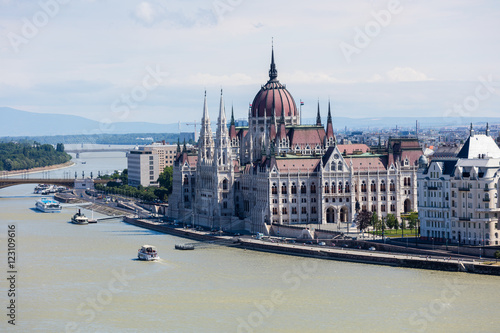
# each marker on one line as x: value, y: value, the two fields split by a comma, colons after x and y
x: 152, y: 61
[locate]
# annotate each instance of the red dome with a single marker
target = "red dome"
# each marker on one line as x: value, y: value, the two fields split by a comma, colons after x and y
x: 273, y: 96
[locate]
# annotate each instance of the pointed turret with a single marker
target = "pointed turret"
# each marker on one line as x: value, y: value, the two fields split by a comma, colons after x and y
x: 221, y: 121
x: 205, y: 142
x: 330, y: 136
x: 273, y: 72
x: 318, y: 117
x: 232, y: 127
x: 222, y: 148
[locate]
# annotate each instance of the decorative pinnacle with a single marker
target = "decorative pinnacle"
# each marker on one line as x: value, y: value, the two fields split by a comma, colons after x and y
x: 273, y: 72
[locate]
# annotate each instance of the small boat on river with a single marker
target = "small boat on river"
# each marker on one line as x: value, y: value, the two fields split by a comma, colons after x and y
x: 79, y: 218
x: 148, y: 253
x: 47, y: 205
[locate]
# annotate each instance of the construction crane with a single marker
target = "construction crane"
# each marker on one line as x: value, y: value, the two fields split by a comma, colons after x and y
x: 190, y: 124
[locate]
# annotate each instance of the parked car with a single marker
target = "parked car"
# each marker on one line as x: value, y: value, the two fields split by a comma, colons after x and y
x: 322, y: 243
x: 372, y: 249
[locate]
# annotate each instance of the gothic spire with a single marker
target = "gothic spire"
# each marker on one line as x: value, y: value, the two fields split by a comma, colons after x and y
x: 318, y: 117
x: 232, y: 127
x: 273, y: 72
x: 329, y: 125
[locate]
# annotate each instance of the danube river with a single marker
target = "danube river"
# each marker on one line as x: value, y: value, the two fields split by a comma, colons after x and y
x: 73, y: 278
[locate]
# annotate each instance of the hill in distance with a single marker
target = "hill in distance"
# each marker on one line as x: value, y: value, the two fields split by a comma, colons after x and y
x: 23, y: 123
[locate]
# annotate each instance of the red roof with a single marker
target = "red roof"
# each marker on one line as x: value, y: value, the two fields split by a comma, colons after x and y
x: 368, y: 163
x: 297, y: 164
x: 350, y: 149
x: 273, y: 96
x: 303, y: 136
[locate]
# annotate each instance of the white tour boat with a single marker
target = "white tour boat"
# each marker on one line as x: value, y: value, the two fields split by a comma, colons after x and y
x: 79, y: 218
x: 47, y: 205
x: 148, y: 252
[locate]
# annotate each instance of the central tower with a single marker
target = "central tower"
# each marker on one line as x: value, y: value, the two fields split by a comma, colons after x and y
x: 272, y: 109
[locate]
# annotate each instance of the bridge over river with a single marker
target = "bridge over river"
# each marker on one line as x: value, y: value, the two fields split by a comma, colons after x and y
x: 6, y: 182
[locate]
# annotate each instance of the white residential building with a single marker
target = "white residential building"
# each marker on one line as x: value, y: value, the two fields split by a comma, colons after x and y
x: 143, y: 168
x: 458, y: 197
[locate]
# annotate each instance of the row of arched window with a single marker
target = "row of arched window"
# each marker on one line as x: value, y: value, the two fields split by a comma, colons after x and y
x: 293, y: 188
x: 333, y: 188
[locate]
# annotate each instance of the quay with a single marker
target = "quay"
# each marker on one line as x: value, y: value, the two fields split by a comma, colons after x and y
x: 404, y: 260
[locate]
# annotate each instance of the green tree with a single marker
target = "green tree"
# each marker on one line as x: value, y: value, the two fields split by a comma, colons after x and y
x: 166, y: 177
x: 363, y: 220
x: 412, y: 220
x: 375, y: 221
x: 391, y: 221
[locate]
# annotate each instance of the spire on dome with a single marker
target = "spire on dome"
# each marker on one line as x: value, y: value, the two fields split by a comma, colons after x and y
x: 273, y: 72
x: 318, y: 117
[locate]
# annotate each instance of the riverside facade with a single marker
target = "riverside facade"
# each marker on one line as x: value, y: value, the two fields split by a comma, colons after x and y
x: 277, y: 170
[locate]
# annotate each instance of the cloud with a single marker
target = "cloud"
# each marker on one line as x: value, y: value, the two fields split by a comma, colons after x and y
x: 399, y: 74
x: 145, y: 13
x: 149, y: 13
x: 236, y: 79
x: 406, y: 74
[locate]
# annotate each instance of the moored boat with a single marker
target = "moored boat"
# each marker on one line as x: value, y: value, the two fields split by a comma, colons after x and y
x: 47, y: 205
x: 147, y: 252
x: 79, y: 218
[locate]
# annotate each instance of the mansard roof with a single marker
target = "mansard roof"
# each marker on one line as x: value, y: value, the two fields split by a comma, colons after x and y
x: 294, y: 164
x: 352, y: 148
x: 478, y: 145
x: 369, y: 163
x: 306, y: 135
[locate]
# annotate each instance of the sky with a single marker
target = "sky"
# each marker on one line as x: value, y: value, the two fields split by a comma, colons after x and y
x: 124, y: 60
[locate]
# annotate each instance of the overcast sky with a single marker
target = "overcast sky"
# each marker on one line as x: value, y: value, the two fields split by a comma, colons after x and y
x: 124, y: 60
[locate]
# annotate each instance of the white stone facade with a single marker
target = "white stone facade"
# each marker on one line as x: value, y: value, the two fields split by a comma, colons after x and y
x: 458, y: 197
x: 279, y: 171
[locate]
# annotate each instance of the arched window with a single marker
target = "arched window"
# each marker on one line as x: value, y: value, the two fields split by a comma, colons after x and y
x: 363, y: 186
x: 224, y: 184
x: 313, y: 188
x: 303, y: 188
x: 294, y: 188
x: 392, y: 187
x: 340, y: 167
x: 274, y: 189
x: 382, y: 186
x: 186, y: 180
x: 283, y: 188
x: 327, y: 188
x: 340, y: 187
x: 347, y: 188
x: 373, y: 186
